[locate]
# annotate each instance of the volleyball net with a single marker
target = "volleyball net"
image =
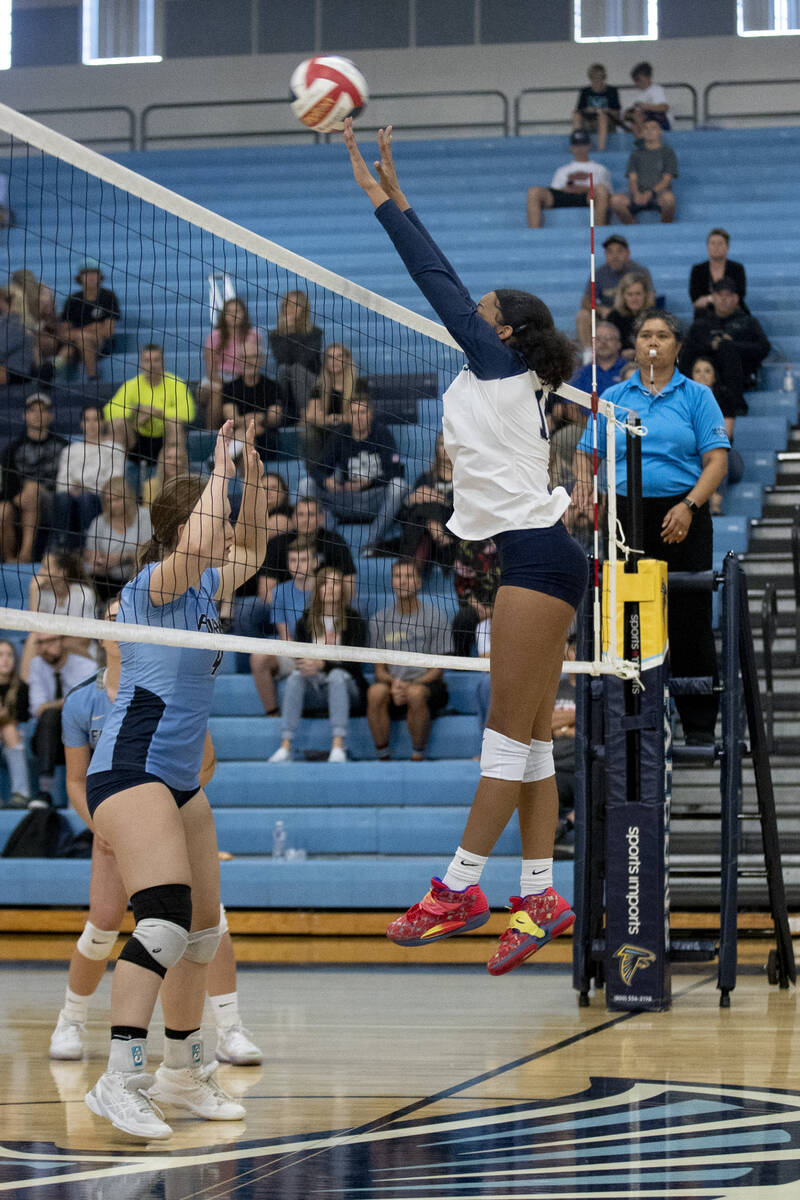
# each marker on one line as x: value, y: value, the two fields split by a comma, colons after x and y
x: 137, y: 321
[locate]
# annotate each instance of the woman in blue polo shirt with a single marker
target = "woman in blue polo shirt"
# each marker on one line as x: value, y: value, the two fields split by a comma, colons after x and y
x: 684, y: 459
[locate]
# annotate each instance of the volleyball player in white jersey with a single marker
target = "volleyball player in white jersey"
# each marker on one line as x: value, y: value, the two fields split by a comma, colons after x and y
x: 496, y: 437
x: 84, y: 714
x: 144, y: 797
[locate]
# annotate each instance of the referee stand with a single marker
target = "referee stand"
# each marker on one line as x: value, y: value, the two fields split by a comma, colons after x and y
x: 624, y: 756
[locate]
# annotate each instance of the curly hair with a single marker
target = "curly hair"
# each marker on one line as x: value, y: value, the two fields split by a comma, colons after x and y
x: 545, y: 349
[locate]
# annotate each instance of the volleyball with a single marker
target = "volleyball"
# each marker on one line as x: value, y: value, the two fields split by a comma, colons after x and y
x: 327, y: 89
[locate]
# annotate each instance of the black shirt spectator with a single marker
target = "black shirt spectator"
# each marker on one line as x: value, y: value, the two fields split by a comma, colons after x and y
x: 330, y: 549
x: 732, y: 339
x: 79, y: 311
x: 29, y: 471
x: 717, y: 266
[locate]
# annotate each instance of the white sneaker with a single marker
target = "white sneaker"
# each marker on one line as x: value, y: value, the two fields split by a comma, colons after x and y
x: 282, y: 754
x: 337, y: 754
x: 66, y: 1040
x: 196, y: 1090
x: 122, y: 1098
x: 234, y: 1046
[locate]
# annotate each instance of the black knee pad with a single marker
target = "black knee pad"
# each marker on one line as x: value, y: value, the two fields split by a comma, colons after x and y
x: 163, y: 916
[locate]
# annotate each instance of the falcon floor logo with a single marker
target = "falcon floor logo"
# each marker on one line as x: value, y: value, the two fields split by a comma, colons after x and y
x: 621, y: 1138
x: 633, y: 959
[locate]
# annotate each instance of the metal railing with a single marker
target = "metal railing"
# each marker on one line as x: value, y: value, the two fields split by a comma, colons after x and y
x: 560, y: 118
x: 739, y: 84
x: 447, y: 119
x: 105, y: 139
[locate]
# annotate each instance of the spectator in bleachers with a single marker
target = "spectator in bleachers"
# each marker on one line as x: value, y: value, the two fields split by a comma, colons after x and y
x: 651, y: 169
x: 88, y: 320
x: 13, y: 715
x: 717, y: 266
x: 59, y: 587
x: 296, y: 345
x: 423, y: 517
x: 113, y: 539
x: 618, y: 262
x: 27, y: 482
x: 610, y: 361
x: 35, y: 304
x: 634, y: 294
x: 476, y: 578
x: 414, y: 694
x: 233, y: 347
x: 16, y: 344
x: 330, y: 548
x: 277, y: 608
x: 684, y: 459
x: 150, y: 409
x: 53, y: 672
x: 732, y: 339
x: 702, y: 371
x: 84, y: 469
x: 255, y: 395
x: 317, y: 683
x: 651, y: 103
x: 361, y: 477
x: 291, y: 598
x: 172, y: 461
x: 569, y: 187
x: 329, y: 403
x: 597, y: 106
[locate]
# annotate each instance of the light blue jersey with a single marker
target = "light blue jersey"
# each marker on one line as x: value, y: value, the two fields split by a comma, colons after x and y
x: 84, y: 713
x: 158, y: 723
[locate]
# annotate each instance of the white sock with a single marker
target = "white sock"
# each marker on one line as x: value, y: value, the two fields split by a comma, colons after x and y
x: 465, y: 869
x: 76, y: 1008
x: 226, y: 1010
x: 537, y: 876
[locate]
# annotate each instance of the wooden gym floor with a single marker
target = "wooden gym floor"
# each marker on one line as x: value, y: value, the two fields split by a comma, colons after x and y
x: 418, y: 1082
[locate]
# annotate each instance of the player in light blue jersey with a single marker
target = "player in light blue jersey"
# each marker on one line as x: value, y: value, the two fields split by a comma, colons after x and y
x: 144, y: 796
x: 83, y: 716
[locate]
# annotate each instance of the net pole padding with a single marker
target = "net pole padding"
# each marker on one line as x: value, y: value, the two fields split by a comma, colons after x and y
x: 597, y: 615
x: 109, y: 631
x: 75, y: 155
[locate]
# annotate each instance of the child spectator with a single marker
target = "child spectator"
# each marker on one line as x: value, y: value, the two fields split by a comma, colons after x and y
x: 597, y: 106
x: 88, y: 320
x: 113, y: 539
x: 414, y: 694
x: 317, y: 683
x: 651, y: 103
x: 330, y: 548
x: 569, y: 187
x: 296, y: 345
x: 13, y: 715
x: 634, y: 294
x: 290, y: 599
x: 29, y: 471
x: 651, y: 169
x: 232, y: 346
x: 84, y: 469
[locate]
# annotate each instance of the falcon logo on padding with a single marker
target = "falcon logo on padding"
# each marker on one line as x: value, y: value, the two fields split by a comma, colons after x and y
x: 631, y: 960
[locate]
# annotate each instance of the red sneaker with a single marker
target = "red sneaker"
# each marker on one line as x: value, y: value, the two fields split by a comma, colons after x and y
x: 535, y: 921
x: 440, y: 914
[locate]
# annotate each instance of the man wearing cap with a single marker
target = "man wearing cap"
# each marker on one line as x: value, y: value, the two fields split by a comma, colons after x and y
x: 618, y: 262
x: 732, y: 339
x: 29, y: 470
x: 150, y: 409
x: 88, y: 319
x: 651, y: 169
x: 569, y: 187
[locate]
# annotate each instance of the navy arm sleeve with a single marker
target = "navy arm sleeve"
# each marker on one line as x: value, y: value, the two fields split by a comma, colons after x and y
x: 487, y: 356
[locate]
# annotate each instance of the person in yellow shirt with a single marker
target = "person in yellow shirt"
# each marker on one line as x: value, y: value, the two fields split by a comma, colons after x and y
x: 151, y: 409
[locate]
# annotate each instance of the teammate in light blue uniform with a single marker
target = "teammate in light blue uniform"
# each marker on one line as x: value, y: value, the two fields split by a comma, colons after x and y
x: 145, y: 800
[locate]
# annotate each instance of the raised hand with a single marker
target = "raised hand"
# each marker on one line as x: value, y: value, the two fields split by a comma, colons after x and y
x: 387, y: 172
x: 223, y: 463
x: 361, y: 172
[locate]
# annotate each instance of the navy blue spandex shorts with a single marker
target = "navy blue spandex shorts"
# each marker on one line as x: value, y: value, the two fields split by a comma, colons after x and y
x: 103, y: 784
x: 544, y: 560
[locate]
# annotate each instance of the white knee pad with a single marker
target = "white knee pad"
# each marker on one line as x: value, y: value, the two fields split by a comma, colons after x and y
x: 540, y: 764
x: 96, y: 943
x: 223, y: 920
x: 502, y: 757
x: 203, y: 944
x: 163, y: 940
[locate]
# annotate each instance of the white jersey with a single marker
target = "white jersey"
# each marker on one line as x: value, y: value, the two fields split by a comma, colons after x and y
x: 496, y: 437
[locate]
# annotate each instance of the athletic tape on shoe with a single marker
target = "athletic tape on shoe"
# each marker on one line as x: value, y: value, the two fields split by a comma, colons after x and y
x: 95, y: 943
x: 540, y: 764
x: 203, y: 944
x: 223, y: 919
x: 163, y: 940
x: 502, y: 757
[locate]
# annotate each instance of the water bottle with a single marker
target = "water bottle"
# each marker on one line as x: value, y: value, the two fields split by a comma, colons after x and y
x: 279, y: 840
x: 788, y: 379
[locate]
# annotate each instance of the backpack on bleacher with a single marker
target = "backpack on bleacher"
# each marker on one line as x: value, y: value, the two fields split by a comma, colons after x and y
x: 42, y: 833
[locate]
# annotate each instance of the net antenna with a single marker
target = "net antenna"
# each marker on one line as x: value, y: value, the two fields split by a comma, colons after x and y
x: 595, y: 405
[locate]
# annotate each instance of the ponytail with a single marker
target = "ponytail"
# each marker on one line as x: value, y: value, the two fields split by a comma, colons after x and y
x: 545, y: 349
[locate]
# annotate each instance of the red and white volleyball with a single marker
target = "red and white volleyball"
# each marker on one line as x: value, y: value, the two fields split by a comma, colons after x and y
x: 327, y: 89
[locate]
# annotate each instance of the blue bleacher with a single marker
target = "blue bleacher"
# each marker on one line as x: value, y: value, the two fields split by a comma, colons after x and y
x: 377, y: 830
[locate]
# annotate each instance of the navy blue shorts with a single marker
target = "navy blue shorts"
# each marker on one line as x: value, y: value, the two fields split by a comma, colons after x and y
x: 103, y: 784
x: 544, y: 560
